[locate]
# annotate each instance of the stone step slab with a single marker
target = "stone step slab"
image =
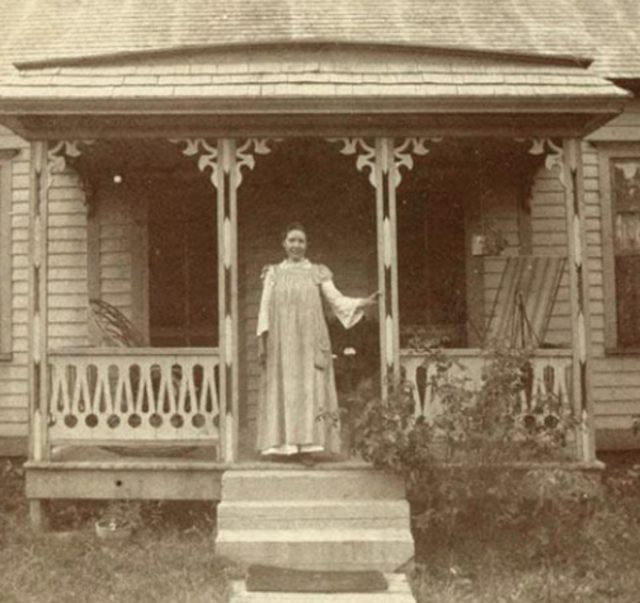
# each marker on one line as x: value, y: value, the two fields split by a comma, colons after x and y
x: 315, y: 484
x: 398, y: 592
x: 319, y: 549
x: 303, y: 514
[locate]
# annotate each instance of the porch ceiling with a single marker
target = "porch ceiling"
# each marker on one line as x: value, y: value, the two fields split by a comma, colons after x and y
x: 311, y: 80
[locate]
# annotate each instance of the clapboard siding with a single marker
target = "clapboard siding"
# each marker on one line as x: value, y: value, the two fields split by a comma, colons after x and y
x: 115, y: 218
x: 548, y: 237
x: 67, y: 284
x: 14, y: 385
x: 616, y: 379
x: 623, y: 128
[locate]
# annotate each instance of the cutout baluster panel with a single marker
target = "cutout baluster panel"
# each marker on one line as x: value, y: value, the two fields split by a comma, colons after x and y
x: 134, y: 395
x: 545, y: 399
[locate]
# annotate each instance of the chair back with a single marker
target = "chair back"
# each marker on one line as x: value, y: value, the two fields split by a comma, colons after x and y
x: 115, y: 328
x: 524, y: 301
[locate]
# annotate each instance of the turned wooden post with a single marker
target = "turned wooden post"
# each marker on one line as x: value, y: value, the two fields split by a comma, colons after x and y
x: 573, y: 181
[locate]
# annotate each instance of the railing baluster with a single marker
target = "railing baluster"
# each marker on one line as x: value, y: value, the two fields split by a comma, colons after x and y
x: 109, y: 395
x: 551, y: 373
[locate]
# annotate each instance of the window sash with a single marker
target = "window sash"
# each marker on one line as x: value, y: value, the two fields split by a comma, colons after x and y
x: 620, y: 203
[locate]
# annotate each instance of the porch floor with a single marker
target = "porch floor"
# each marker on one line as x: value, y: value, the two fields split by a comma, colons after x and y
x: 160, y: 473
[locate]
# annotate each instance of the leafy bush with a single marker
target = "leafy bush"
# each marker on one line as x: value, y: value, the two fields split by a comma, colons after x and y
x: 504, y: 419
x: 480, y: 469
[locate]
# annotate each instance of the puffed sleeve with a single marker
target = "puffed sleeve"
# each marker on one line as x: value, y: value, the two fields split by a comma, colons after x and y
x: 265, y: 300
x: 346, y: 309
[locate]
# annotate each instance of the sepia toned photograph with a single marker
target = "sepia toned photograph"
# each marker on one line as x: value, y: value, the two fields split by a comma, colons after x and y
x: 319, y: 302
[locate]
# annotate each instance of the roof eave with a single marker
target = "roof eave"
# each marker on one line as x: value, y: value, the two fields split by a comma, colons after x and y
x: 610, y: 104
x: 144, y: 117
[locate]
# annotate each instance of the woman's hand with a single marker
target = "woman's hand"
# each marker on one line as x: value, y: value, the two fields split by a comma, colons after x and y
x: 372, y: 300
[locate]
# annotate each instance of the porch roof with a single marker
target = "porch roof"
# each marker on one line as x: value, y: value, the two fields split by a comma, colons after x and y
x: 311, y: 78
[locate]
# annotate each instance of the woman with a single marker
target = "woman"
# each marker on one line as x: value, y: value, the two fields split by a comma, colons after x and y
x: 298, y: 387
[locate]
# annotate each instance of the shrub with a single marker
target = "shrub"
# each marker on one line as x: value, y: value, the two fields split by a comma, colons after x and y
x: 474, y: 472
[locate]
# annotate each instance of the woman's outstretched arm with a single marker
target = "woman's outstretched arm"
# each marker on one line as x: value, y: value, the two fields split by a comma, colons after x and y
x: 348, y: 310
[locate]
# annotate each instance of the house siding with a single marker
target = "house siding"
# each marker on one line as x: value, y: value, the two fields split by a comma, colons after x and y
x: 14, y: 371
x: 616, y: 379
x: 67, y: 262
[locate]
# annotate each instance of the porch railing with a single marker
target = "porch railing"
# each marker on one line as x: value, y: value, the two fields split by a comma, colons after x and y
x: 551, y: 377
x: 133, y: 394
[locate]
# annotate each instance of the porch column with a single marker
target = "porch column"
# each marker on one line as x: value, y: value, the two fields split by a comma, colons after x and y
x: 567, y: 160
x: 38, y: 222
x: 225, y: 158
x: 573, y: 182
x: 384, y: 160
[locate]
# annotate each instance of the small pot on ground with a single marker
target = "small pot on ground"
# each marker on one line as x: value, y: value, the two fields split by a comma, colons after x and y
x: 112, y: 531
x: 118, y: 520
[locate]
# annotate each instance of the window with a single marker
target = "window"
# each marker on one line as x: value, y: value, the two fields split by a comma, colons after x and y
x: 5, y: 253
x: 620, y: 173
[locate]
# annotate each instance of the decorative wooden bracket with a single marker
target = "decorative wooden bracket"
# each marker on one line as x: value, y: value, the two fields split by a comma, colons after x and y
x: 211, y: 158
x: 390, y: 156
x: 64, y: 150
x: 553, y: 155
x: 64, y: 153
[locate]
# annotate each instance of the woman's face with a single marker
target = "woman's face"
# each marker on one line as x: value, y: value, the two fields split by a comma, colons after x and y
x: 295, y: 245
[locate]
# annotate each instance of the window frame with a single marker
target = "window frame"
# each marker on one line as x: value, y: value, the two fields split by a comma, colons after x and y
x: 607, y: 153
x: 6, y: 192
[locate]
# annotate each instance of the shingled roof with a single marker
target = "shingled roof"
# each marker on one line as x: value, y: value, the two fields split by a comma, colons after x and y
x: 345, y: 77
x: 606, y: 30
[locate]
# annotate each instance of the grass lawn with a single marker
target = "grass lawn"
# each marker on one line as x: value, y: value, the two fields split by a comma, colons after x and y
x: 594, y: 557
x: 588, y: 551
x: 170, y: 559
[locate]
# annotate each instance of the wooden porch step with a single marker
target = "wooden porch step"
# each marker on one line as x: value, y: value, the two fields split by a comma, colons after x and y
x: 319, y: 549
x: 320, y: 519
x: 398, y: 592
x: 313, y: 514
x: 314, y: 484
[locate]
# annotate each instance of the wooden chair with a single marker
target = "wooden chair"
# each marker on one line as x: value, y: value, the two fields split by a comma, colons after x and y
x: 115, y: 328
x: 524, y: 301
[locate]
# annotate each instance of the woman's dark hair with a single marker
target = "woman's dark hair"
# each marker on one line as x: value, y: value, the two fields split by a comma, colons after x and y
x: 293, y: 226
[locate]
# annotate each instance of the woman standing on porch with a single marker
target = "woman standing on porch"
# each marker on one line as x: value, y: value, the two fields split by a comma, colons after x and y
x: 295, y: 352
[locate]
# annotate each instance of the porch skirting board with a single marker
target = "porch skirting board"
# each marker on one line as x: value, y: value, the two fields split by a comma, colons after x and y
x: 123, y: 480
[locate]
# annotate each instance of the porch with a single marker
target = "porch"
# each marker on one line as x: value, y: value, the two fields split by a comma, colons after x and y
x: 162, y: 380
x: 443, y: 179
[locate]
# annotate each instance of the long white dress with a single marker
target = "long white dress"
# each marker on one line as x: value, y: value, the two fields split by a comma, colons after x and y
x: 298, y: 384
